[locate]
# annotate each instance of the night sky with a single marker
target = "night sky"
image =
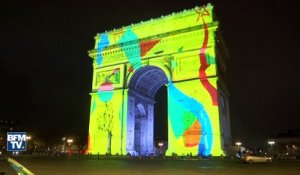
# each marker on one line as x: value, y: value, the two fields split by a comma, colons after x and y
x: 45, y: 72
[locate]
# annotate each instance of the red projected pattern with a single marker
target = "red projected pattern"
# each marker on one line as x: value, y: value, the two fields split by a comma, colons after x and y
x: 147, y: 46
x: 204, y: 65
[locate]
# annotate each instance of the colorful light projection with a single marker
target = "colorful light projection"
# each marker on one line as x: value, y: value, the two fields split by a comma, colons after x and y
x: 183, y: 47
x: 189, y: 120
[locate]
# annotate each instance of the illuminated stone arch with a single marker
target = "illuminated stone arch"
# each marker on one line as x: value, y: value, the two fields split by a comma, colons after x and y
x: 183, y: 51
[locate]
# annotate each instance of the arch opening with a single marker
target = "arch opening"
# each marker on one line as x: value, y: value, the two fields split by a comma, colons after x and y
x: 143, y: 88
x: 161, y: 120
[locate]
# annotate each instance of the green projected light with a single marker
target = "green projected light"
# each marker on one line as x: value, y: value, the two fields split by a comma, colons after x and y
x: 132, y: 63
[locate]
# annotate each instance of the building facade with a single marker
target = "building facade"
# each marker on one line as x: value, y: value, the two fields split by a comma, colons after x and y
x: 181, y: 52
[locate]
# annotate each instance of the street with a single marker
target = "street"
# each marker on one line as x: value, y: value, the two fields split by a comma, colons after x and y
x: 78, y: 166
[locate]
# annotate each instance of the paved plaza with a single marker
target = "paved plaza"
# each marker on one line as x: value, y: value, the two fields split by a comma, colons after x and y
x: 80, y: 166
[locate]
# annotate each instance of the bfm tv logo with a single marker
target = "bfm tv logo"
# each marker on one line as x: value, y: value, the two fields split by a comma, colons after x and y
x: 16, y: 141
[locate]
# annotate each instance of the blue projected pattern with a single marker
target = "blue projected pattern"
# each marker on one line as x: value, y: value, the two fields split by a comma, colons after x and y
x: 104, y: 42
x: 183, y: 103
x: 133, y: 51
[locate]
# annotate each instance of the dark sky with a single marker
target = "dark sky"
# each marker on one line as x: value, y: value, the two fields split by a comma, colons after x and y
x: 45, y: 73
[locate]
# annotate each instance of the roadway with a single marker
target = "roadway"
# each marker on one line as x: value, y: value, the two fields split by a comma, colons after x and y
x: 80, y: 166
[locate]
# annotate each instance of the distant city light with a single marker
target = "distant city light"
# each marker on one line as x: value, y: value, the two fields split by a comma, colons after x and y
x: 28, y: 137
x: 70, y: 141
x: 238, y: 143
x: 271, y: 142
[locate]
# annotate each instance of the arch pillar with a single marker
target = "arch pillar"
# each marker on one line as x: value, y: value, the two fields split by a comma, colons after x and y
x: 140, y: 136
x: 130, y: 125
x: 150, y: 128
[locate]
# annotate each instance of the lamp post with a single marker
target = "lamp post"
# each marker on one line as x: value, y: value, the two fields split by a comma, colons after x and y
x: 239, y: 152
x: 70, y: 146
x: 160, y: 144
x: 28, y: 138
x: 271, y: 143
x: 63, y: 144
